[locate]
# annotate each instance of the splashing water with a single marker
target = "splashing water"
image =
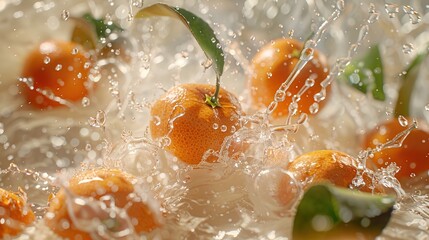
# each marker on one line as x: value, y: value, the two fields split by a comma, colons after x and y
x: 227, y: 199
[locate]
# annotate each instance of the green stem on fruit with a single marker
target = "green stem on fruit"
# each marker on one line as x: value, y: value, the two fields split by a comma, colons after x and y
x: 402, y: 107
x: 213, y: 100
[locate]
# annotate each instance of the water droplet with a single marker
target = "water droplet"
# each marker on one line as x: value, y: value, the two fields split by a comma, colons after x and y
x: 340, y: 5
x: 65, y: 14
x: 279, y: 96
x: 363, y: 33
x: 391, y: 9
x: 101, y: 117
x: 272, y: 107
x: 307, y: 53
x: 85, y: 101
x: 310, y: 82
x: 207, y: 63
x: 407, y: 48
x: 1, y: 128
x: 403, y: 121
x: 165, y: 142
x: 320, y: 96
x: 293, y: 108
x: 414, y: 15
x: 302, y: 118
x: 130, y: 17
x: 314, y: 108
x: 138, y: 3
x: 28, y: 81
x: 88, y: 147
x: 215, y: 126
x: 47, y: 60
x: 223, y: 128
x: 58, y: 67
x: 427, y: 107
x: 373, y: 17
x: 75, y: 51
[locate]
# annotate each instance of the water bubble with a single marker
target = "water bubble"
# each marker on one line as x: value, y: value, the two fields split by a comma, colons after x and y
x: 65, y: 14
x: 403, y: 121
x: 223, y: 128
x: 1, y: 128
x: 293, y: 108
x: 320, y: 96
x: 407, y: 48
x: 215, y: 126
x: 354, y: 78
x: 307, y: 54
x: 391, y: 9
x: 302, y: 118
x: 47, y: 60
x: 85, y: 101
x: 88, y: 147
x: 207, y: 63
x: 28, y: 81
x: 427, y: 107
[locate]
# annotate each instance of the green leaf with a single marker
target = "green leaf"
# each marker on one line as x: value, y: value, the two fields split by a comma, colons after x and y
x: 366, y: 74
x: 88, y: 30
x: 409, y: 79
x: 328, y: 212
x: 201, y: 31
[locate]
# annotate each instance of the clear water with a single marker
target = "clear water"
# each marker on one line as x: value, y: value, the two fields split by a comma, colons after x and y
x: 229, y: 199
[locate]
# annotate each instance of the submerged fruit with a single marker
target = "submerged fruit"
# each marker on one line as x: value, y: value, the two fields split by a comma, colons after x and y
x: 56, y: 69
x: 191, y: 126
x: 106, y: 186
x: 322, y: 166
x: 273, y: 64
x: 412, y: 157
x: 14, y: 213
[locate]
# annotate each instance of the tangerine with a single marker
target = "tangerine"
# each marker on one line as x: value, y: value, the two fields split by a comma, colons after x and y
x: 96, y: 184
x: 412, y: 157
x: 56, y: 69
x: 273, y: 64
x: 14, y: 213
x: 192, y: 126
x: 321, y: 166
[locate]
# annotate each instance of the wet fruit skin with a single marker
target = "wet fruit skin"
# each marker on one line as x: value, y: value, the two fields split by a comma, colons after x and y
x: 412, y: 157
x: 60, y: 67
x: 96, y: 184
x: 322, y: 166
x: 272, y: 65
x: 195, y: 131
x: 14, y: 213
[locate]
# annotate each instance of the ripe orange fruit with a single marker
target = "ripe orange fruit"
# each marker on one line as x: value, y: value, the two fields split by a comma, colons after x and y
x: 321, y: 166
x: 412, y: 157
x: 14, y: 213
x: 58, y: 67
x: 96, y: 184
x: 273, y: 64
x: 193, y: 126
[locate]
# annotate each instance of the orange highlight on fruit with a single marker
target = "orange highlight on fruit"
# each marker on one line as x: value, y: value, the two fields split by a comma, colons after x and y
x: 14, y: 213
x: 97, y: 184
x: 412, y: 157
x: 321, y: 166
x: 59, y: 68
x: 191, y: 125
x: 273, y: 64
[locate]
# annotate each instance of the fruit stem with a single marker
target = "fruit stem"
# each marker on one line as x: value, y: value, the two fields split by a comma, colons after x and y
x: 213, y: 101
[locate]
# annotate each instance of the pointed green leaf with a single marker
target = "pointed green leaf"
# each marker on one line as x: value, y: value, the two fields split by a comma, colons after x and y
x: 328, y: 212
x: 366, y: 74
x: 201, y: 31
x: 409, y: 79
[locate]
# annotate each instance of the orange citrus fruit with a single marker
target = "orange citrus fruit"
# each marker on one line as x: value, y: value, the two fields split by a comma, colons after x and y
x: 412, y: 157
x: 273, y: 64
x: 96, y: 184
x: 192, y: 126
x: 321, y: 166
x: 14, y: 213
x: 56, y: 67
